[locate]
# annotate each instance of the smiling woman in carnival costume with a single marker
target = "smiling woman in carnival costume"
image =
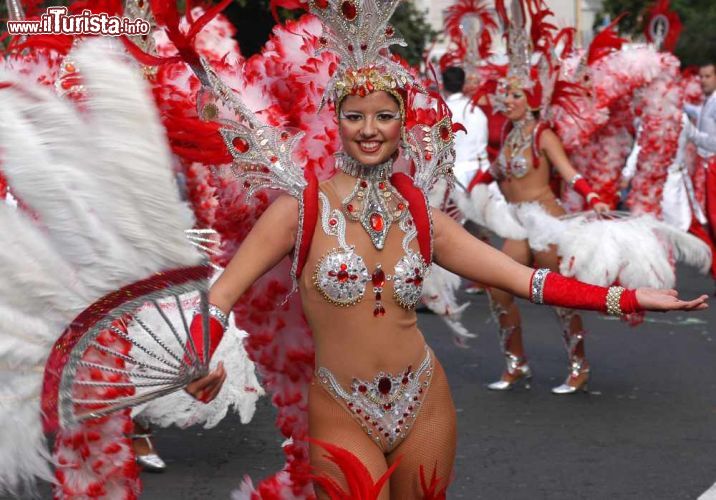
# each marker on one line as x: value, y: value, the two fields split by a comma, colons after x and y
x: 362, y: 243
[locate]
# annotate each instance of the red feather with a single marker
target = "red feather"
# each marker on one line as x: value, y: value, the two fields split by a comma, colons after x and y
x: 662, y: 8
x: 605, y: 42
x: 431, y: 491
x: 360, y: 482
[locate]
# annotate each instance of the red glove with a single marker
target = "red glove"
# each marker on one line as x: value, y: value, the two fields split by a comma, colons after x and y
x: 554, y: 289
x: 580, y: 185
x: 196, y: 330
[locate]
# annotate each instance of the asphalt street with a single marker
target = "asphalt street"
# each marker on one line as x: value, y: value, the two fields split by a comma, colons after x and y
x: 646, y: 429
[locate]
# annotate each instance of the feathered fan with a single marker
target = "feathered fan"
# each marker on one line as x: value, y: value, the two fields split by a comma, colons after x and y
x: 105, y: 236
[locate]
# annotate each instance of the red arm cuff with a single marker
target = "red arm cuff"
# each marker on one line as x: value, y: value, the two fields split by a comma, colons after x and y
x: 583, y: 188
x: 557, y: 290
x: 216, y: 332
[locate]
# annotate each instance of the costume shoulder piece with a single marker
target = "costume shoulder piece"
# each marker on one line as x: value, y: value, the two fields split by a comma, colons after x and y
x: 263, y: 156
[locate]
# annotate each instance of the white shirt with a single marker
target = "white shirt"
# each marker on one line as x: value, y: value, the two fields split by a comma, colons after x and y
x: 470, y: 147
x: 704, y: 134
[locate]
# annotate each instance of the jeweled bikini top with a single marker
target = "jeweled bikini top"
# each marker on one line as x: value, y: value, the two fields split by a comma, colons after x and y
x: 519, y: 142
x: 341, y: 275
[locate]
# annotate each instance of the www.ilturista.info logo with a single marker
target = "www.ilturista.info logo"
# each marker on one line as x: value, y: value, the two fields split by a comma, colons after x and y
x: 56, y: 21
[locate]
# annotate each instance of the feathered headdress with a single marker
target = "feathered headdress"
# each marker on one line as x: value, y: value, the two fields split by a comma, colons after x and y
x: 359, y: 33
x: 663, y: 26
x: 534, y: 62
x: 469, y: 24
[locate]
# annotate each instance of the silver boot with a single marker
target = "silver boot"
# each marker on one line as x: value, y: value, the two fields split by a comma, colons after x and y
x: 578, y: 368
x: 516, y: 366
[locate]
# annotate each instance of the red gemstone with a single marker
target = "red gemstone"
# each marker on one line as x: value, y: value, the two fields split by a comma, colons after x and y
x: 378, y: 296
x: 342, y: 276
x: 384, y: 385
x: 445, y: 133
x: 350, y: 47
x: 389, y: 31
x: 363, y: 184
x: 405, y: 380
x: 367, y: 417
x: 387, y: 406
x: 401, y: 206
x: 410, y: 408
x: 387, y: 434
x: 273, y: 159
x: 400, y: 422
x: 381, y: 185
x: 349, y: 10
x: 323, y: 40
x: 321, y: 4
x: 362, y: 388
x: 380, y: 428
x: 344, y: 267
x: 428, y: 156
x: 247, y: 184
x: 363, y: 47
x: 284, y: 136
x: 358, y: 410
x: 377, y: 222
x: 240, y: 144
x: 378, y: 277
x: 332, y: 222
x: 350, y: 207
x: 378, y: 311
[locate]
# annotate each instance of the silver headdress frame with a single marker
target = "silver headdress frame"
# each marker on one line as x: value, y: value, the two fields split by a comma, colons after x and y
x: 359, y: 34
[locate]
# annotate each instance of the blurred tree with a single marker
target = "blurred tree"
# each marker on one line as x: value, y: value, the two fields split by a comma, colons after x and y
x: 254, y: 23
x: 698, y: 39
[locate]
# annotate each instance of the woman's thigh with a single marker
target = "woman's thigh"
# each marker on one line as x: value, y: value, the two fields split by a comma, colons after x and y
x: 430, y: 444
x: 328, y: 421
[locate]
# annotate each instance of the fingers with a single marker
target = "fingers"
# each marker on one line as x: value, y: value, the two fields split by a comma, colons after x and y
x: 206, y: 388
x: 210, y: 394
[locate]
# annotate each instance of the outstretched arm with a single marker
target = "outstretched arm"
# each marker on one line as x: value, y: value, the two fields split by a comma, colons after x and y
x: 458, y: 251
x: 552, y: 148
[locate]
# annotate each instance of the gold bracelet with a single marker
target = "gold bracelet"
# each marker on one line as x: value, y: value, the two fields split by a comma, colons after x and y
x: 614, y: 297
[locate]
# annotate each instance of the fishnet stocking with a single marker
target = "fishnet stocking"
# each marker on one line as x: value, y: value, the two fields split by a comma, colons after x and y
x: 431, y: 442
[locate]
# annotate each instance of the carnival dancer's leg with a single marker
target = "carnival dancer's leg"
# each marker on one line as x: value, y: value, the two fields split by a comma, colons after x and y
x: 428, y: 452
x: 571, y: 323
x: 507, y: 316
x: 328, y: 421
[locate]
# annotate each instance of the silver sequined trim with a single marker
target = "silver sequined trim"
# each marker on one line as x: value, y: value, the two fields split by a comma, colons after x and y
x: 538, y: 280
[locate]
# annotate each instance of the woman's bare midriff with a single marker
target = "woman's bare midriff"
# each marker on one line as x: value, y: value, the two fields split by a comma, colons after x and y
x: 533, y: 187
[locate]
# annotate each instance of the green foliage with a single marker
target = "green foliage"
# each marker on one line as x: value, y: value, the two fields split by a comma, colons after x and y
x: 410, y: 23
x: 698, y: 39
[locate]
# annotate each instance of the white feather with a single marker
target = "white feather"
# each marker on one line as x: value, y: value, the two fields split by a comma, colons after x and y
x: 635, y: 251
x: 108, y: 213
x: 439, y: 290
x: 488, y: 208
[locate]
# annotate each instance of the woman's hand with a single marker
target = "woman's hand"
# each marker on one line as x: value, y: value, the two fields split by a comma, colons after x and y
x: 652, y: 299
x: 601, y: 207
x: 205, y: 389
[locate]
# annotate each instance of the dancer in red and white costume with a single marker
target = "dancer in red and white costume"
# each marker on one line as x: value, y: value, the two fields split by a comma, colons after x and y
x: 378, y: 391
